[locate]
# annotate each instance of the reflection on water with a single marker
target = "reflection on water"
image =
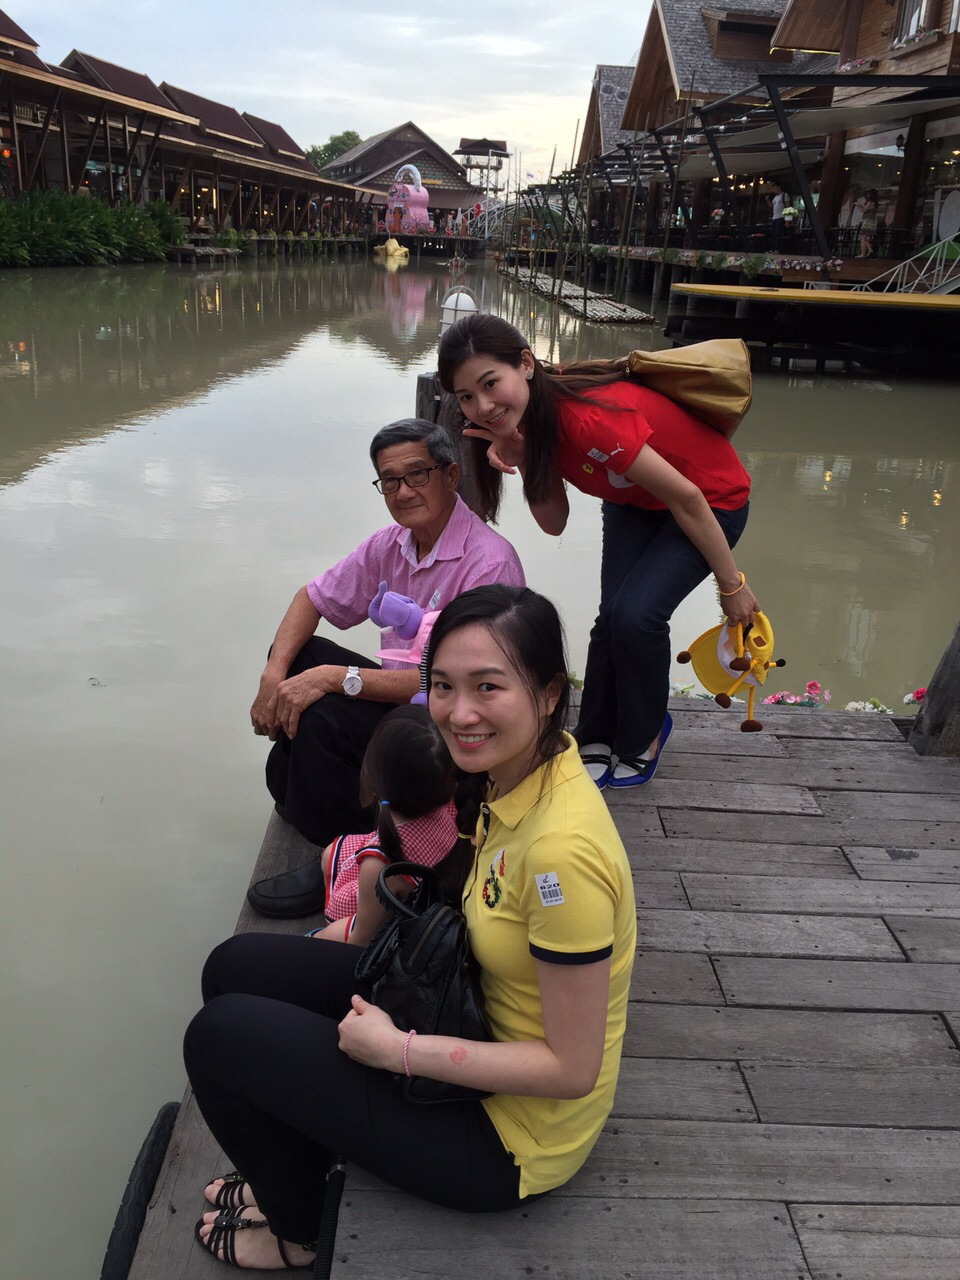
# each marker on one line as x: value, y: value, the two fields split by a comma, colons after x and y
x: 178, y: 452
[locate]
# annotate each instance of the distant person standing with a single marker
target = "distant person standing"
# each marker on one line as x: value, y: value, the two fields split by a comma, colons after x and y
x: 867, y: 205
x: 778, y: 201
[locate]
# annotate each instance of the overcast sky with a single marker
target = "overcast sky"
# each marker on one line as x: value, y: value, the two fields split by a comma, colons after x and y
x: 500, y: 68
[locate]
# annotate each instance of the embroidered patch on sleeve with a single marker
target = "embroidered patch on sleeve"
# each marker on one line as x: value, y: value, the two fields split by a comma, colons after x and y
x: 597, y: 456
x: 548, y: 887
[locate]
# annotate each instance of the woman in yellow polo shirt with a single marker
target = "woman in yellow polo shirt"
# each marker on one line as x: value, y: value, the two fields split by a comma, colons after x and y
x: 288, y: 1066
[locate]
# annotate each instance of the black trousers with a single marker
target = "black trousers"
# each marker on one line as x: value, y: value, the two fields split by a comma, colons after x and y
x: 649, y: 565
x: 315, y: 776
x: 281, y: 1098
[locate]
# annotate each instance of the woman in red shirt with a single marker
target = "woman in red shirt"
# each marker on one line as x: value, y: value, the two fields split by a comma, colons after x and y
x: 675, y: 502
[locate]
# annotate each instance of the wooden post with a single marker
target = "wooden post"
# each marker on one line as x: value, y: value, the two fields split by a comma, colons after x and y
x: 936, y: 730
x: 436, y: 405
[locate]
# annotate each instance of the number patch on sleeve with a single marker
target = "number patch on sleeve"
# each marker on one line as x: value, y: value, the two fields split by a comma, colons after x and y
x: 548, y: 886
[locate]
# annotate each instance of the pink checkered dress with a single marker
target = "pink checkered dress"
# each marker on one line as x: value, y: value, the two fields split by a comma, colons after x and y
x: 426, y: 840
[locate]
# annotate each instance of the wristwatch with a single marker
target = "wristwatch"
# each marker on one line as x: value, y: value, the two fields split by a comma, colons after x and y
x: 352, y: 684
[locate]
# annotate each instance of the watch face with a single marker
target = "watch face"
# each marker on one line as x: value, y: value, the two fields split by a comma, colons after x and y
x: 352, y: 686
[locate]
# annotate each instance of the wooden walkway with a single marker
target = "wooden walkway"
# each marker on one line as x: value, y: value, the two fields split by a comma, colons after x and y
x: 789, y: 1102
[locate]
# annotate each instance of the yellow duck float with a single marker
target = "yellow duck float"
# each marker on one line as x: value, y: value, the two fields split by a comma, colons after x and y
x: 392, y: 249
x: 729, y: 658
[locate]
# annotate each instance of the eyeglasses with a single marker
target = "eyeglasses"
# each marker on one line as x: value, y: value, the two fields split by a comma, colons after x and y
x: 413, y: 479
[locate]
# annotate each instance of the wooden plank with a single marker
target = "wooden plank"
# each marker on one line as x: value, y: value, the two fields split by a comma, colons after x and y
x: 851, y: 751
x: 911, y: 833
x: 706, y: 742
x: 674, y: 979
x: 896, y: 773
x: 656, y: 1088
x: 838, y: 984
x: 799, y: 723
x: 166, y: 1248
x: 569, y: 1237
x: 927, y: 938
x: 798, y: 1036
x: 712, y: 1160
x: 835, y: 897
x: 735, y: 933
x: 668, y: 793
x: 893, y: 863
x: 908, y: 1097
x: 890, y: 804
x: 953, y: 1023
x: 879, y: 1242
x: 660, y: 889
x: 733, y: 856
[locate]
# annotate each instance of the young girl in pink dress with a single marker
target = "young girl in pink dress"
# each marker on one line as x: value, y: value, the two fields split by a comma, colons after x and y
x: 408, y: 773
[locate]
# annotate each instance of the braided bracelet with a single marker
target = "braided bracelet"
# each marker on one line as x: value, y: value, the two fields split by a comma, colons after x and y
x: 406, y: 1050
x: 743, y: 583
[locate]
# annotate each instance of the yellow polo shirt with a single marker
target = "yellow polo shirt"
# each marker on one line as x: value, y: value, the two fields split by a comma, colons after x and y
x: 551, y: 883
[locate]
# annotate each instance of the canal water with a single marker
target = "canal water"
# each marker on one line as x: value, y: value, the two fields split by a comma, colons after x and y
x: 179, y: 452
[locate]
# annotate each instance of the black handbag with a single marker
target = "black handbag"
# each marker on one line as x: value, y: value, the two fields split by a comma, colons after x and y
x: 420, y: 970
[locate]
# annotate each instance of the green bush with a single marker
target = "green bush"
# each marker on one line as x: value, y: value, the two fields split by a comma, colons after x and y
x: 56, y: 229
x: 169, y: 223
x: 13, y: 249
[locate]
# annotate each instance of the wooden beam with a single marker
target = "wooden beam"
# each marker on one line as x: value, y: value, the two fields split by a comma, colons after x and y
x: 304, y: 216
x: 108, y: 147
x: 95, y: 129
x: 936, y: 730
x: 15, y: 141
x: 131, y: 149
x: 65, y: 150
x: 230, y: 203
x: 148, y: 161
x: 45, y: 130
x: 254, y: 203
x: 186, y: 177
x: 289, y: 208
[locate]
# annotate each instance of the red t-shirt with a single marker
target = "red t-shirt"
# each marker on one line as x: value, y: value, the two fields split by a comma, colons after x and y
x: 598, y: 443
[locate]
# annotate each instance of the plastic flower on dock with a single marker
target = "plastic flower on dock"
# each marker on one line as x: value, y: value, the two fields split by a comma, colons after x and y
x: 814, y: 695
x: 917, y: 696
x: 871, y: 704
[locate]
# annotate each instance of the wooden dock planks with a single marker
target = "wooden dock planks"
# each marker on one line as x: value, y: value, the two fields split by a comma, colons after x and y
x: 789, y: 1102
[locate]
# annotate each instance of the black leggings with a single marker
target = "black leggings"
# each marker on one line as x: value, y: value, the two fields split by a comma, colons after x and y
x: 281, y: 1098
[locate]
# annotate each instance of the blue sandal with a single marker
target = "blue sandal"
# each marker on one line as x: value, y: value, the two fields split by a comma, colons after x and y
x: 604, y: 758
x: 645, y: 769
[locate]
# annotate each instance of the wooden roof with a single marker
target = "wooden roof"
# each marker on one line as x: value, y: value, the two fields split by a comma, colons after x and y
x: 276, y: 137
x: 11, y: 33
x: 481, y: 147
x: 608, y: 99
x: 130, y: 84
x: 215, y: 117
x: 812, y: 25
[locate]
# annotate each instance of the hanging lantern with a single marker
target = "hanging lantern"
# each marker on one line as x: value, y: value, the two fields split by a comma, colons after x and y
x: 459, y: 302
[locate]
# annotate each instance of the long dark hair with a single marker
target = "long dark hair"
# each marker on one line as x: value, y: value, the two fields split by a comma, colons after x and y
x: 406, y: 768
x: 527, y: 628
x: 486, y: 335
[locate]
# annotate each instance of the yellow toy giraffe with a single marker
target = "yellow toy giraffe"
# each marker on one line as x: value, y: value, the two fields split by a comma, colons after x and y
x: 729, y: 658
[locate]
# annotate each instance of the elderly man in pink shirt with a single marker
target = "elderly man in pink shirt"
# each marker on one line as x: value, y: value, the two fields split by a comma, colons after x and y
x: 318, y: 702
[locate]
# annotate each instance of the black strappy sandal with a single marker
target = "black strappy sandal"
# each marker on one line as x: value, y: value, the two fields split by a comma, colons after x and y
x: 223, y: 1235
x: 229, y: 1196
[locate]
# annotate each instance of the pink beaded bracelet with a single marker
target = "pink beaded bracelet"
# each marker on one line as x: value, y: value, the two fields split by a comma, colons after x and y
x: 406, y: 1050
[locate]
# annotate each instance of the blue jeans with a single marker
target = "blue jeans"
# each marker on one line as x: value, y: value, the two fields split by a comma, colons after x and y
x: 649, y: 565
